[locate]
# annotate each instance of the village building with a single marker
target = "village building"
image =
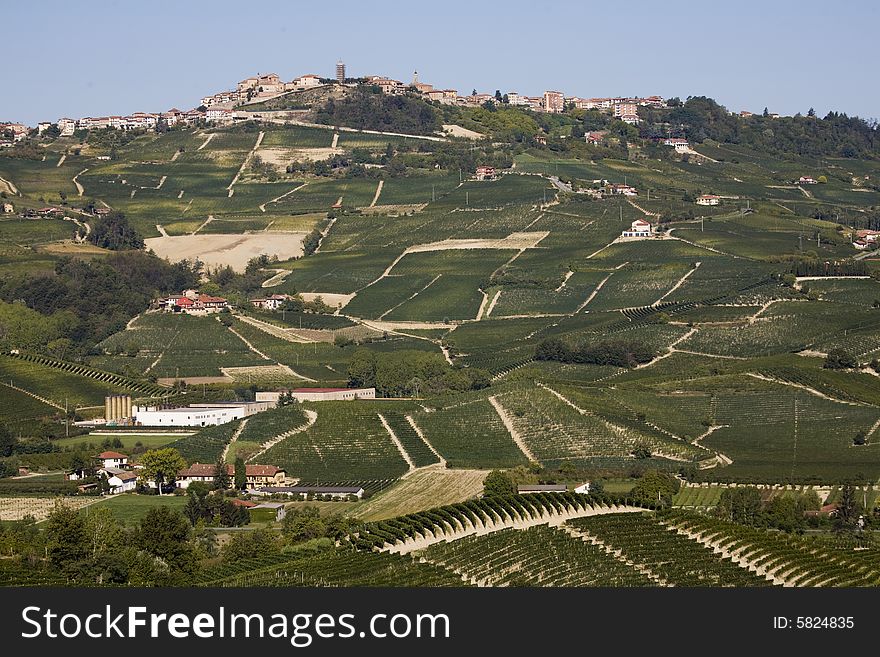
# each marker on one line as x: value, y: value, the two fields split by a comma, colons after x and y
x: 66, y: 126
x: 122, y: 482
x: 113, y: 459
x: 621, y: 189
x: 541, y: 139
x: 627, y: 111
x: 304, y: 492
x: 595, y: 137
x: 272, y: 302
x: 485, y: 173
x: 554, y: 101
x: 219, y: 114
x: 680, y: 145
x: 318, y: 394
x: 806, y: 180
x: 309, y: 81
x: 708, y: 199
x: 255, y: 475
x: 191, y: 302
x: 583, y: 489
x: 868, y: 235
x: 639, y: 228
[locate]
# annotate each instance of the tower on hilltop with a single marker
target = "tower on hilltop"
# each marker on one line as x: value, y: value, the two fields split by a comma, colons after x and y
x: 340, y: 71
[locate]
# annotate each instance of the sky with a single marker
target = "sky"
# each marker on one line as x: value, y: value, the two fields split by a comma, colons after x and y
x: 100, y: 57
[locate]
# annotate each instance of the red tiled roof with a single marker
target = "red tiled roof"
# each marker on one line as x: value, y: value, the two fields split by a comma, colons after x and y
x: 245, y: 503
x: 251, y: 470
x: 183, y: 301
x: 112, y: 455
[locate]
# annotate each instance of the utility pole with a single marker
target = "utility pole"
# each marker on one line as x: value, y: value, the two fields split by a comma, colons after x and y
x: 701, y: 224
x: 620, y: 213
x: 467, y: 199
x: 432, y: 193
x: 66, y: 419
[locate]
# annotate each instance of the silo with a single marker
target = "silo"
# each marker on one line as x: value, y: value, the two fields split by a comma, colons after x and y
x: 127, y: 406
x: 116, y: 407
x: 107, y: 409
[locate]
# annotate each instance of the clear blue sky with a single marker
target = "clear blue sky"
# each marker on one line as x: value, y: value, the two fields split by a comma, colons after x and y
x: 97, y: 57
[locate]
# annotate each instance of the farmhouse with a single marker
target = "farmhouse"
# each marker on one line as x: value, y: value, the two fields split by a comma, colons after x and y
x: 541, y: 139
x: 708, y: 199
x: 256, y: 475
x: 541, y: 488
x: 625, y: 190
x: 583, y: 489
x: 122, y: 482
x: 868, y: 235
x: 595, y: 137
x: 306, y: 82
x: 318, y: 394
x: 273, y: 302
x: 680, y: 145
x: 196, y: 415
x: 113, y: 460
x: 639, y: 228
x: 485, y: 173
x: 806, y: 180
x: 191, y: 302
x: 336, y: 492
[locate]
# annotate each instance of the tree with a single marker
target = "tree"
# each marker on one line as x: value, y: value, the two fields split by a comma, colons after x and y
x: 303, y: 525
x: 839, y: 359
x: 498, y: 97
x: 161, y: 466
x: 221, y: 474
x: 811, y: 112
x: 240, y: 474
x: 742, y: 505
x: 165, y: 533
x: 499, y: 482
x: 113, y: 232
x: 848, y: 510
x: 65, y: 537
x: 7, y: 442
x: 765, y: 113
x: 655, y: 488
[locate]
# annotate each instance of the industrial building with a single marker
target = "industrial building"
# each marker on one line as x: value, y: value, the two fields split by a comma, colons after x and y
x: 318, y: 394
x: 197, y: 415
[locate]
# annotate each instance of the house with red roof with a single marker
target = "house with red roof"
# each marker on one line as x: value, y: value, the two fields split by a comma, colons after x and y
x: 256, y: 475
x: 318, y: 394
x: 639, y: 228
x: 113, y: 459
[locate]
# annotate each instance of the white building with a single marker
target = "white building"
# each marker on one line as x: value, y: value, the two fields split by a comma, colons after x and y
x: 219, y: 114
x: 680, y: 145
x: 583, y: 489
x: 197, y: 415
x: 122, y: 482
x: 639, y: 228
x: 303, y: 492
x: 708, y: 199
x: 113, y: 460
x: 319, y: 394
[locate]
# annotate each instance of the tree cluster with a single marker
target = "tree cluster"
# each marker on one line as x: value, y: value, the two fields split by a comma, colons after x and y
x: 619, y: 354
x: 411, y: 373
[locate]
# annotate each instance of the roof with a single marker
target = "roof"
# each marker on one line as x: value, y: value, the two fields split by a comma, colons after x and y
x: 269, y: 505
x: 542, y: 488
x: 250, y: 470
x: 126, y: 476
x: 112, y: 455
x: 245, y: 503
x: 352, y: 490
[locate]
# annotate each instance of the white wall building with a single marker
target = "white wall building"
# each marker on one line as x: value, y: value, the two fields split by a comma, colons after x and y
x: 198, y: 415
x: 639, y: 228
x: 319, y: 394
